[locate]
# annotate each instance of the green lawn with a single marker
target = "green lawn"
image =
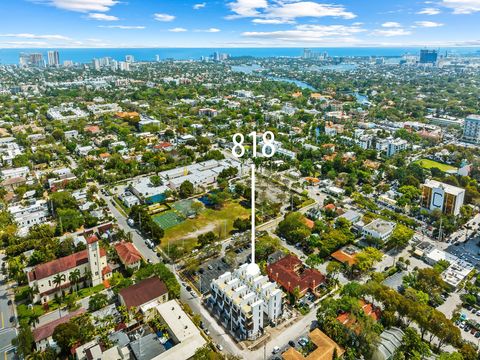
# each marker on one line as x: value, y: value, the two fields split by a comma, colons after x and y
x: 218, y: 221
x: 428, y: 164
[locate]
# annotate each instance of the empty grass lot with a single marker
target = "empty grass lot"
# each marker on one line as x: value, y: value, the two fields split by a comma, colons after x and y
x: 428, y: 164
x: 218, y: 221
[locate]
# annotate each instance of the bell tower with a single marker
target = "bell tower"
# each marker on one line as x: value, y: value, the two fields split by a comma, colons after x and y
x: 94, y: 259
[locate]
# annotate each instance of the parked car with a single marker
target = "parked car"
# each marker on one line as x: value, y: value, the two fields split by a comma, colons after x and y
x: 219, y: 347
x: 303, y: 341
x: 276, y: 350
x: 291, y: 343
x: 477, y: 334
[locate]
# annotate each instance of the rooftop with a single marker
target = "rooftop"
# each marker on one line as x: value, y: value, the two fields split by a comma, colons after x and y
x: 128, y: 253
x: 290, y: 273
x: 449, y: 189
x: 324, y: 351
x: 45, y: 331
x: 60, y: 265
x: 143, y: 292
x: 381, y: 226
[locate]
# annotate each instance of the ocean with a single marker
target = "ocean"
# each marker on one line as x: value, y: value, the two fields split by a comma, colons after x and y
x: 85, y: 55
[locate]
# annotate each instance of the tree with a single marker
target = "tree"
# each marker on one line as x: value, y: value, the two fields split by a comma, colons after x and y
x: 65, y: 335
x: 241, y: 224
x: 156, y: 180
x: 24, y: 341
x: 74, y: 278
x: 186, y: 189
x: 413, y: 346
x: 293, y: 228
x: 334, y: 268
x: 69, y: 219
x: 97, y: 301
x: 58, y: 279
x: 400, y: 236
x: 366, y: 258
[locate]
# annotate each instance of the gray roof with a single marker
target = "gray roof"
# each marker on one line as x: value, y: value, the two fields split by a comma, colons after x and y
x: 391, y: 339
x: 147, y: 347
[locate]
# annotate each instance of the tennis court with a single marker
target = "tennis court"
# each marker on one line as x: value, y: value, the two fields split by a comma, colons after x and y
x: 184, y: 207
x: 168, y: 219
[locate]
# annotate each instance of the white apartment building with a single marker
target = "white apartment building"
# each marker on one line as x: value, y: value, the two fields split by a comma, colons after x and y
x: 379, y: 229
x: 395, y: 146
x: 242, y: 300
x: 27, y: 216
x: 15, y: 172
x: 471, y: 129
x: 66, y: 112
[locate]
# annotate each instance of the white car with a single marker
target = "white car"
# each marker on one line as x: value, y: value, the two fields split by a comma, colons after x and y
x: 276, y: 350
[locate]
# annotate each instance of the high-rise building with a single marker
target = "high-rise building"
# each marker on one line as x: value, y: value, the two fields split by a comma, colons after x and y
x: 96, y: 64
x: 471, y: 129
x: 428, y: 56
x: 307, y: 53
x: 130, y: 59
x: 53, y: 58
x: 31, y: 60
x: 445, y: 197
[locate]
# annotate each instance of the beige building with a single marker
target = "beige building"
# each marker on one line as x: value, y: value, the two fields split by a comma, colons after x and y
x: 90, y: 262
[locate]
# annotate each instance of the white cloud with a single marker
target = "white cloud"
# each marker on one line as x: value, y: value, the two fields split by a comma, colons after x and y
x: 123, y: 27
x: 272, y: 21
x: 211, y: 30
x: 199, y: 6
x: 163, y: 17
x: 462, y: 6
x: 34, y: 36
x: 102, y: 17
x: 177, y: 29
x: 25, y: 43
x: 429, y: 11
x: 310, y: 33
x: 428, y: 24
x: 246, y: 8
x: 80, y: 5
x: 391, y: 24
x: 294, y: 10
x: 392, y: 32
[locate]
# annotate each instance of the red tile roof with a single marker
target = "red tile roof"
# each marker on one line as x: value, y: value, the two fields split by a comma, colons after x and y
x: 45, y: 331
x: 350, y: 321
x: 62, y: 264
x: 289, y: 272
x: 92, y: 239
x: 344, y: 258
x: 128, y: 253
x: 143, y: 292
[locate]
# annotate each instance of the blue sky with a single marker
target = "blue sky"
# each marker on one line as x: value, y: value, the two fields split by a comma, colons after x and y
x: 238, y: 23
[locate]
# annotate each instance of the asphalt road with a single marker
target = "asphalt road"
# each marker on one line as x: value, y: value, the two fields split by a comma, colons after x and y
x: 7, y: 329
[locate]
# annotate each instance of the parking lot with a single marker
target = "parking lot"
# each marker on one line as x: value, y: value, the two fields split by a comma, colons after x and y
x: 210, y: 271
x: 298, y: 343
x: 468, y: 333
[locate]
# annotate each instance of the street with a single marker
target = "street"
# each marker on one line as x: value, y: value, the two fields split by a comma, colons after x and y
x: 7, y: 329
x: 217, y: 332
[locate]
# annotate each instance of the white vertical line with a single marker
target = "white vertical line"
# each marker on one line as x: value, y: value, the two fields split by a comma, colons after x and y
x: 253, y: 213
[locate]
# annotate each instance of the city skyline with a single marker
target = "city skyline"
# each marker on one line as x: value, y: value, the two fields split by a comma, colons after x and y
x: 238, y: 23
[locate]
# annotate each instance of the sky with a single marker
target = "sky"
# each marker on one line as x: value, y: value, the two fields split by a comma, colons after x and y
x: 238, y: 23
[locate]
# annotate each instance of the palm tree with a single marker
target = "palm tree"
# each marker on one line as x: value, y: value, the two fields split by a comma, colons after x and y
x: 58, y: 279
x: 34, y: 319
x: 32, y: 291
x: 74, y: 277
